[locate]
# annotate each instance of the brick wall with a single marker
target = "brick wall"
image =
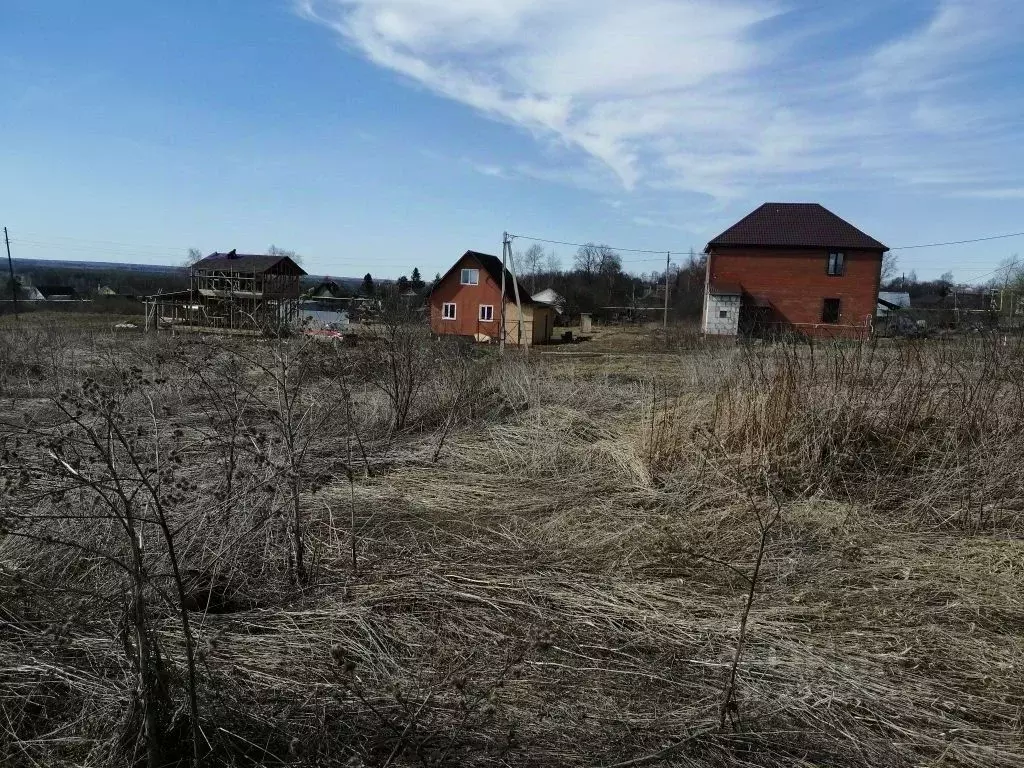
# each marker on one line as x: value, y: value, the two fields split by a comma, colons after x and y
x: 796, y: 282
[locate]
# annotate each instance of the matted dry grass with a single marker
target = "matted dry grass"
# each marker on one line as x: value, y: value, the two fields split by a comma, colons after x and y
x: 563, y: 587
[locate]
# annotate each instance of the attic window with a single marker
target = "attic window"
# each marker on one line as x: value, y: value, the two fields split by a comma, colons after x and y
x: 470, y: 277
x: 836, y: 264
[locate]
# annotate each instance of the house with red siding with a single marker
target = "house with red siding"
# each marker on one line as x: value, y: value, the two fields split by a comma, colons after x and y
x: 792, y: 268
x: 467, y: 301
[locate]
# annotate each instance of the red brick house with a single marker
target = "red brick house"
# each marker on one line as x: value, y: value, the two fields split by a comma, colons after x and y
x: 467, y: 301
x: 792, y: 267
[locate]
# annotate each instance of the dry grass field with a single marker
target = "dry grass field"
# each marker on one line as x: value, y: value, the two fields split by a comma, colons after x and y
x: 407, y: 552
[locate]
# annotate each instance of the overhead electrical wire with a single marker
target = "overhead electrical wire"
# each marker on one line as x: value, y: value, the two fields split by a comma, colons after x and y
x: 670, y: 252
x: 584, y: 245
x: 958, y: 242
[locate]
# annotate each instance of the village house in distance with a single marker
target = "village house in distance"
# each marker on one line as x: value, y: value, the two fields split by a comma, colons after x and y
x: 792, y: 268
x: 467, y: 301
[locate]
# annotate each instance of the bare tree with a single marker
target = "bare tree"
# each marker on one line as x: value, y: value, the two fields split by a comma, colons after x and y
x: 194, y: 255
x: 587, y: 259
x: 598, y: 260
x: 530, y: 262
x: 609, y: 263
x: 553, y: 264
x: 1010, y: 275
x: 890, y: 263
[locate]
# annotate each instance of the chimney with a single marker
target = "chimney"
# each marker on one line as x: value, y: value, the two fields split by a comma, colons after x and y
x: 232, y: 254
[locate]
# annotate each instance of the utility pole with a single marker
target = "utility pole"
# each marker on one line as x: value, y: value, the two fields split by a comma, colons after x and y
x: 668, y: 264
x: 504, y: 249
x: 515, y: 286
x: 10, y: 267
x: 1010, y: 269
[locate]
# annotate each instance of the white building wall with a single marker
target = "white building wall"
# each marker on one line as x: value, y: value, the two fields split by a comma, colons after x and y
x: 722, y: 315
x: 325, y: 318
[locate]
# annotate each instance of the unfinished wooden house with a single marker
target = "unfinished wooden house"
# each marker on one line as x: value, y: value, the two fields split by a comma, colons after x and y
x: 232, y: 292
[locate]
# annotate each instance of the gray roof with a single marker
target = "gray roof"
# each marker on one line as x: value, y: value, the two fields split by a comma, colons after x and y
x: 548, y: 296
x: 900, y: 299
x: 891, y: 300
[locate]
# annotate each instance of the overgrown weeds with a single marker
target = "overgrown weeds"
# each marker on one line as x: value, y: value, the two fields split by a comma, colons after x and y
x: 926, y: 429
x: 769, y: 556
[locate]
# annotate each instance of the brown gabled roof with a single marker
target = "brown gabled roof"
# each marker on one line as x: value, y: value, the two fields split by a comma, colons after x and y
x: 795, y: 225
x: 491, y: 265
x: 248, y: 262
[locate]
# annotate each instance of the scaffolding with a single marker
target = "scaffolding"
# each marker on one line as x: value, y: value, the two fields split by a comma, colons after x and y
x: 232, y: 293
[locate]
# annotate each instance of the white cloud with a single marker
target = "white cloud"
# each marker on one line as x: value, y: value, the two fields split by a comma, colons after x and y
x: 487, y: 169
x: 660, y: 223
x: 718, y: 97
x: 1003, y: 193
x: 932, y: 56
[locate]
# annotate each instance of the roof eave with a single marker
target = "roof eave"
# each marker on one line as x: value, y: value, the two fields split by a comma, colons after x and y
x: 879, y: 247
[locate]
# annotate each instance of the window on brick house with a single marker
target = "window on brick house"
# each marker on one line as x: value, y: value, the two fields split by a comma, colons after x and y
x: 830, y: 311
x: 470, y: 277
x: 836, y: 264
x: 448, y: 311
x: 486, y: 313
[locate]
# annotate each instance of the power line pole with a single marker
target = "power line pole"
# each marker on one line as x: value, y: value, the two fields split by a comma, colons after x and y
x: 504, y: 250
x: 10, y: 267
x: 515, y: 286
x: 668, y: 264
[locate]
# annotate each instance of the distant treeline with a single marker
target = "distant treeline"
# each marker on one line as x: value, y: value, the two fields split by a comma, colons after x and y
x: 88, y: 282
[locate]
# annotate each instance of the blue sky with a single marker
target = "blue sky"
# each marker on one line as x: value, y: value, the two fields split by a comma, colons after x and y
x: 378, y: 135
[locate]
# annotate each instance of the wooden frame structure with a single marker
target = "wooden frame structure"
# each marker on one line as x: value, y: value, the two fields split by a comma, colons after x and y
x: 233, y: 293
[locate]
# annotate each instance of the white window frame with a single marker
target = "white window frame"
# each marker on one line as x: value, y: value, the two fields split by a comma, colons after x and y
x: 470, y: 276
x: 490, y: 318
x: 444, y: 310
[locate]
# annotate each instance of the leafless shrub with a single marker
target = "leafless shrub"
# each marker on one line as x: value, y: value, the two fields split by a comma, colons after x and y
x: 290, y: 395
x: 398, y: 360
x: 563, y: 584
x: 103, y: 460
